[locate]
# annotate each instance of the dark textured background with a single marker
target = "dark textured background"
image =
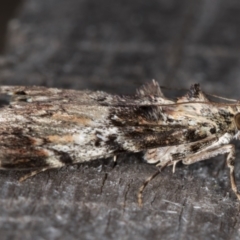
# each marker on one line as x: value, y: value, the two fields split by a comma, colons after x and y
x: 116, y: 46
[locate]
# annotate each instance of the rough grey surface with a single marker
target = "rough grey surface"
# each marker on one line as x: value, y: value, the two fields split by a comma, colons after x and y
x: 116, y: 46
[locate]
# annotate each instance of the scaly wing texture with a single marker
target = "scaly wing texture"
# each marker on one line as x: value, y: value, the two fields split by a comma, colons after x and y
x: 48, y: 127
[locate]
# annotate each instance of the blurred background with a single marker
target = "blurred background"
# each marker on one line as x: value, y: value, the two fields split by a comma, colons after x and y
x: 8, y: 11
x: 116, y: 46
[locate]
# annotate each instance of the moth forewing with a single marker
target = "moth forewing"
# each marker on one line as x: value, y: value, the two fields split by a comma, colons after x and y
x: 44, y: 128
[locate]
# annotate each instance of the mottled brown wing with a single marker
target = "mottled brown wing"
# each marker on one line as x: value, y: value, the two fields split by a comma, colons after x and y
x: 51, y: 127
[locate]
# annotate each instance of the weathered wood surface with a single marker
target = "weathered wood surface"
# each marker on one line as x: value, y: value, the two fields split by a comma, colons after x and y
x: 116, y: 46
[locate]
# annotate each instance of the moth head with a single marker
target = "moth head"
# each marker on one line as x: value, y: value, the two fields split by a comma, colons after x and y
x: 237, y: 120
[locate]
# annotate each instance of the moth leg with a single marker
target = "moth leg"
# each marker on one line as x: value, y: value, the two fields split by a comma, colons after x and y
x: 226, y: 149
x: 31, y: 174
x: 230, y: 163
x: 141, y: 189
x: 174, y: 166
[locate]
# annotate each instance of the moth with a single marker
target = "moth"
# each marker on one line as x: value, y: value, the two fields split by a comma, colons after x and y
x: 43, y: 128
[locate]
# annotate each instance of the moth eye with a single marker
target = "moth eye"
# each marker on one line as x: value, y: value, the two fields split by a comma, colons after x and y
x: 237, y: 120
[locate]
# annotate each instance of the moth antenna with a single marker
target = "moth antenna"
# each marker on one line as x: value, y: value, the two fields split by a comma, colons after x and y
x: 208, y: 94
x: 223, y: 98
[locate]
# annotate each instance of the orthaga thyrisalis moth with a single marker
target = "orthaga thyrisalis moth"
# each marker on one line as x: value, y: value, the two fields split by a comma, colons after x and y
x: 43, y: 128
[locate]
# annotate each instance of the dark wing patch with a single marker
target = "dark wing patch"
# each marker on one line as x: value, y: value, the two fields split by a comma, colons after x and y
x: 162, y: 136
x: 20, y: 151
x: 23, y: 158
